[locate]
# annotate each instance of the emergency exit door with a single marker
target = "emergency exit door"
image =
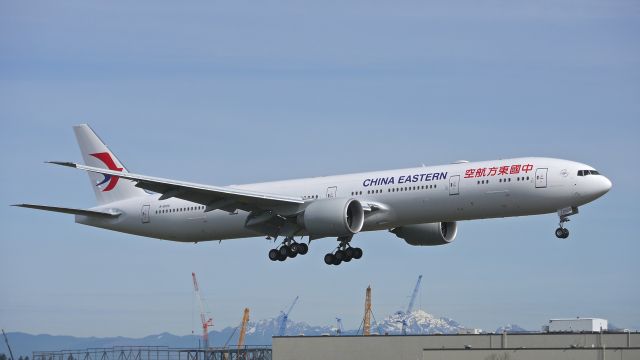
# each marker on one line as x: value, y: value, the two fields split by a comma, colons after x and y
x: 332, y: 191
x: 145, y: 213
x: 541, y: 178
x: 454, y: 183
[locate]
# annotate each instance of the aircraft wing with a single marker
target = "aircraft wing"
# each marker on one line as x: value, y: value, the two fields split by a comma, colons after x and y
x: 213, y: 197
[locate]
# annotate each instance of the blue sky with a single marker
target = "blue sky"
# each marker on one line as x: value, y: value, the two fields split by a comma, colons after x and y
x: 236, y: 92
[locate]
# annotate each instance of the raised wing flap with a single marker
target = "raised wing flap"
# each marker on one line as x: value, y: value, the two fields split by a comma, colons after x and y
x: 214, y: 197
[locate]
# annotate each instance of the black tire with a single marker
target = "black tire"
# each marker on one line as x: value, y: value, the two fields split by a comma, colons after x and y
x: 293, y: 254
x: 337, y: 261
x: 281, y: 257
x: 295, y: 248
x: 347, y: 258
x: 349, y: 252
x: 357, y: 253
x: 329, y: 259
x: 303, y: 248
x: 274, y: 255
x: 565, y: 233
x: 284, y: 250
x: 560, y: 233
x: 340, y: 255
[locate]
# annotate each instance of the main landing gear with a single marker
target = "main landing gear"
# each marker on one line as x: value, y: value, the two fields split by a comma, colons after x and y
x: 288, y: 249
x: 561, y: 231
x: 344, y: 252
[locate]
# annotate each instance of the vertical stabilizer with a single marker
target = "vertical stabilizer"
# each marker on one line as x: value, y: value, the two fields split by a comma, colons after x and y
x: 95, y: 153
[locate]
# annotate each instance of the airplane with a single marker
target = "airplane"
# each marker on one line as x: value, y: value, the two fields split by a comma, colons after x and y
x: 420, y: 205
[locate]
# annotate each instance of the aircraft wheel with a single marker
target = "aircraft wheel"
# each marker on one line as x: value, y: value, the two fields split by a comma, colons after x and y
x: 293, y: 254
x: 565, y: 233
x: 281, y: 257
x: 347, y: 258
x: 337, y: 261
x: 303, y: 248
x: 340, y: 255
x: 329, y: 259
x: 560, y: 233
x: 284, y: 251
x: 274, y: 255
x: 357, y: 253
x: 349, y: 252
x: 295, y: 248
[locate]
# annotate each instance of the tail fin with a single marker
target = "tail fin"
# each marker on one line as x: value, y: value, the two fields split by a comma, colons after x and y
x: 96, y: 153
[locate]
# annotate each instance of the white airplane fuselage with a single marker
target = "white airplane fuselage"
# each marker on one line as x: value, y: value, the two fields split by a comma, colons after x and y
x: 444, y: 193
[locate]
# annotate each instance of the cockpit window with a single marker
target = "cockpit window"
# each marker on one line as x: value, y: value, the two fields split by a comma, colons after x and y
x: 587, y: 172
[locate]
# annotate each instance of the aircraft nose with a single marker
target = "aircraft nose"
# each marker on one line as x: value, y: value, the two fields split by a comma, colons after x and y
x: 603, y: 187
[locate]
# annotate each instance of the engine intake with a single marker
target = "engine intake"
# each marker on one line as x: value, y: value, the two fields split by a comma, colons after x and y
x: 332, y: 217
x: 431, y: 234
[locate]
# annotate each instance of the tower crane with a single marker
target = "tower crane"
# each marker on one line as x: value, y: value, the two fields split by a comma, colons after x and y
x: 206, y: 323
x: 7, y: 342
x: 285, y: 317
x: 243, y: 328
x: 366, y: 329
x: 410, y: 306
x: 339, y: 329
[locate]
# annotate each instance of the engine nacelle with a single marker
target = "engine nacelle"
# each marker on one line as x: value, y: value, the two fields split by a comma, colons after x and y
x: 332, y: 217
x: 440, y: 233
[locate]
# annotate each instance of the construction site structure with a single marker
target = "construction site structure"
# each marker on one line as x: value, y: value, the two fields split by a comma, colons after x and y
x: 285, y: 317
x: 367, y: 313
x: 243, y: 328
x: 7, y: 342
x: 410, y: 306
x: 339, y: 327
x: 206, y: 322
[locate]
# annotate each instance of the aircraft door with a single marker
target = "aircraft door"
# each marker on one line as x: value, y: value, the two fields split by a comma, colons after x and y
x: 145, y: 213
x: 541, y: 178
x: 332, y: 191
x: 454, y: 183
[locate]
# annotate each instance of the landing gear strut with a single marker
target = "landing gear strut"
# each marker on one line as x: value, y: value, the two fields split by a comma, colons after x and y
x: 564, y: 214
x: 288, y: 249
x: 344, y: 252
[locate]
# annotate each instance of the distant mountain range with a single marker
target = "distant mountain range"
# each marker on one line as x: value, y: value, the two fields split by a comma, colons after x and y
x: 258, y: 333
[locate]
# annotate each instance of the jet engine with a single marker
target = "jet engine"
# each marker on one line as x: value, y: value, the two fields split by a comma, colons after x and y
x: 332, y: 217
x: 440, y: 233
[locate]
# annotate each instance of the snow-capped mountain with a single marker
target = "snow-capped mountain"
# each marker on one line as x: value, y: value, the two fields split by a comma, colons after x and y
x: 417, y: 322
x: 511, y: 328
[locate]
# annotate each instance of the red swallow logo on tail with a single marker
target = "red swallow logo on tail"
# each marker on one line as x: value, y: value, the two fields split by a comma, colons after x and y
x: 111, y: 181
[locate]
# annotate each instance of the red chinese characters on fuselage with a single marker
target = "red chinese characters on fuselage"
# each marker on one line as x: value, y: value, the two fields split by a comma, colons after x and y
x: 500, y: 171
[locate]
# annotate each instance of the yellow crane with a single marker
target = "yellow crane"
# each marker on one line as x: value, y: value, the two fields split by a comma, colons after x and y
x: 366, y: 331
x: 243, y: 328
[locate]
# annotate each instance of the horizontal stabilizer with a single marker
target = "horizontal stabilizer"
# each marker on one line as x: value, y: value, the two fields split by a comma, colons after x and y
x: 69, y: 210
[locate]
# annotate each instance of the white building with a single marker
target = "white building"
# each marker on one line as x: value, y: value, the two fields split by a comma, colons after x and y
x: 577, y: 325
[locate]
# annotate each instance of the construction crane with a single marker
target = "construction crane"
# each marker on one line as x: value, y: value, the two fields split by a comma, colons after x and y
x: 206, y: 323
x: 366, y: 331
x: 243, y: 328
x: 410, y: 307
x: 7, y: 342
x: 339, y: 328
x: 285, y: 317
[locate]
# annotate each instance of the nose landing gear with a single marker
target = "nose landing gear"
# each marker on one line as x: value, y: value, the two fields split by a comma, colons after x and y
x: 344, y: 252
x: 288, y: 249
x: 561, y: 231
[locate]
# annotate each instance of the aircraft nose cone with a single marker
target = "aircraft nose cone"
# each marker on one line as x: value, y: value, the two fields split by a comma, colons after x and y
x: 602, y: 186
x: 606, y: 185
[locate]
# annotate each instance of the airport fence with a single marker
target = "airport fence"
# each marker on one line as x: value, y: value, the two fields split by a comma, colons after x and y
x: 158, y: 353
